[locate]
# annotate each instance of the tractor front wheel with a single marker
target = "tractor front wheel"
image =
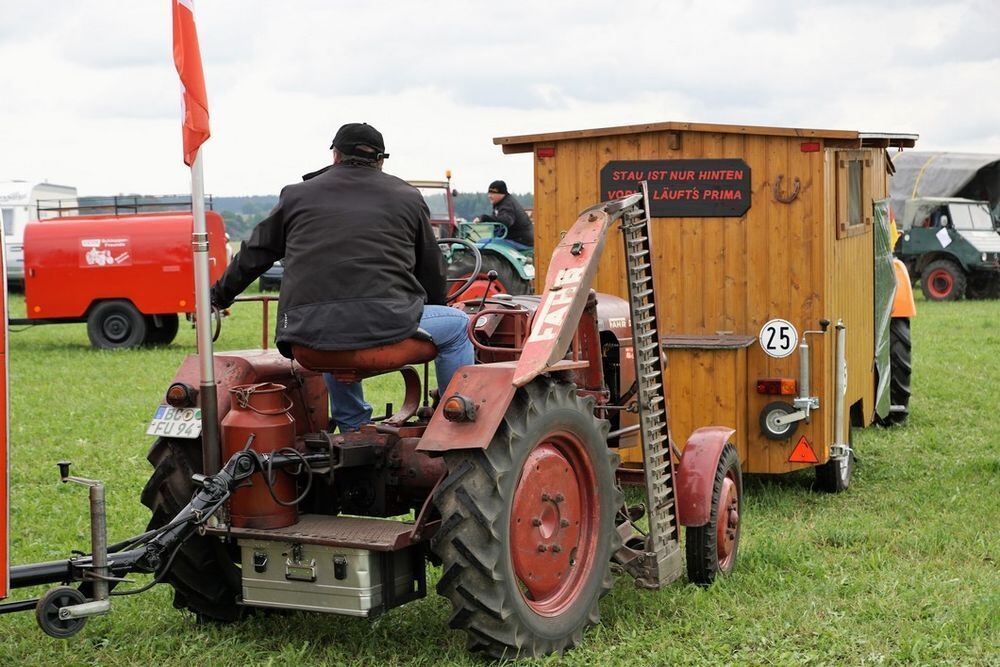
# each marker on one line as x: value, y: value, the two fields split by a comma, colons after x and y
x: 508, y: 280
x: 116, y: 324
x: 204, y: 576
x: 943, y: 280
x: 528, y: 526
x: 711, y: 549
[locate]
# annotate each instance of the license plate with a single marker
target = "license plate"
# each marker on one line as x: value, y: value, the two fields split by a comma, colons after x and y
x: 175, y: 422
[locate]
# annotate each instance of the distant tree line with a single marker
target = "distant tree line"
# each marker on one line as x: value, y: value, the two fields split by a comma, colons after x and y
x: 241, y: 214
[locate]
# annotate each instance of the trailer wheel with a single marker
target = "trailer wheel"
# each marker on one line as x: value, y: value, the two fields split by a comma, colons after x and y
x: 115, y: 324
x: 900, y: 369
x: 835, y: 475
x: 508, y: 280
x: 711, y: 549
x: 162, y: 335
x: 204, y: 576
x: 528, y: 526
x: 943, y: 280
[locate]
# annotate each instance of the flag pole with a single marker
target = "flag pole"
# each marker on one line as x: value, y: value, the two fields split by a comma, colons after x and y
x: 211, y: 456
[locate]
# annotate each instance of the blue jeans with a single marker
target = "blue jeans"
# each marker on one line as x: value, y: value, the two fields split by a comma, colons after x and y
x: 449, y: 329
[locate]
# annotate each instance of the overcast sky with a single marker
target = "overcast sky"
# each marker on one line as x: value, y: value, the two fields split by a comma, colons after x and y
x: 90, y: 96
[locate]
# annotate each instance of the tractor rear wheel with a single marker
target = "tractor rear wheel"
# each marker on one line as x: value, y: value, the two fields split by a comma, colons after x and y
x: 528, y: 526
x: 711, y: 549
x: 943, y: 280
x: 983, y: 285
x: 115, y: 324
x: 900, y: 369
x: 508, y: 281
x: 164, y: 334
x: 203, y: 575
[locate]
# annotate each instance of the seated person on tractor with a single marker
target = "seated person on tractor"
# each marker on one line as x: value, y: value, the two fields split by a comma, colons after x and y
x: 362, y: 267
x: 509, y: 212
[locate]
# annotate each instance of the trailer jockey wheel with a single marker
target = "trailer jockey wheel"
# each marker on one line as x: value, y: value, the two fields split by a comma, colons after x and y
x: 115, y: 324
x: 768, y: 425
x: 47, y: 612
x: 528, y: 526
x: 711, y: 549
x: 835, y: 475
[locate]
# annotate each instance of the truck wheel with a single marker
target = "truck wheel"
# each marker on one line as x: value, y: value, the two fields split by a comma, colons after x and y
x: 943, y: 280
x: 983, y: 285
x: 508, y: 280
x: 900, y: 368
x: 835, y: 475
x: 115, y: 324
x: 528, y: 526
x: 711, y: 549
x: 162, y: 335
x: 204, y: 576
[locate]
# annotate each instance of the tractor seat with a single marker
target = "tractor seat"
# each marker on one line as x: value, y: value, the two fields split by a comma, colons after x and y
x: 354, y: 365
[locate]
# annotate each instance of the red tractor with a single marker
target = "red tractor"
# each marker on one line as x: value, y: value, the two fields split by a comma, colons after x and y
x: 510, y: 475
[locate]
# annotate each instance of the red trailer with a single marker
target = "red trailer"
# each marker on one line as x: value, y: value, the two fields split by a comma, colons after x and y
x: 126, y: 276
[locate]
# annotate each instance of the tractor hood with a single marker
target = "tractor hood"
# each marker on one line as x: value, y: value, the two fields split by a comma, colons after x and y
x: 983, y: 241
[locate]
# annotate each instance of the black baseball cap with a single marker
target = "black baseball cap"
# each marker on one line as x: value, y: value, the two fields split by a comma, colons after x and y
x: 499, y: 187
x: 352, y: 135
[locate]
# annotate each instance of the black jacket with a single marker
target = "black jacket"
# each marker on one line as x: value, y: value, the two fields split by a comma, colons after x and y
x: 360, y: 260
x: 510, y: 212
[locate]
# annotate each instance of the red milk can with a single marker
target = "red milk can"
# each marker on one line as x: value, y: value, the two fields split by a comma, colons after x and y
x: 263, y: 410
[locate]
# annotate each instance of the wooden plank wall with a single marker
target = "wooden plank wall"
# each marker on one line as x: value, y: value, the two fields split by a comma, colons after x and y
x: 850, y: 288
x: 714, y: 274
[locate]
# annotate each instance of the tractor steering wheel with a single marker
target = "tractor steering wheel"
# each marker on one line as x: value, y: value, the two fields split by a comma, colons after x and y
x: 466, y: 282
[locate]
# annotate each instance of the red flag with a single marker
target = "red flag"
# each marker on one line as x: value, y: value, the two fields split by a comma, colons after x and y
x: 187, y: 58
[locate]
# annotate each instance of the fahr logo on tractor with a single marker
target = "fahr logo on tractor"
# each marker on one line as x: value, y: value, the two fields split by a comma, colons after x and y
x: 511, y: 475
x: 131, y: 273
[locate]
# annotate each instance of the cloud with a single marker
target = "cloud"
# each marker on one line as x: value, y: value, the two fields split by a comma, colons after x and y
x: 93, y: 99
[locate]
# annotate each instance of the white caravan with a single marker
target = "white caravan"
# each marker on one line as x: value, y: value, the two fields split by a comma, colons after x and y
x: 18, y: 205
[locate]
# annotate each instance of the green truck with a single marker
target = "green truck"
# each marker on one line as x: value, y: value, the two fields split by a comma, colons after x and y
x: 952, y: 246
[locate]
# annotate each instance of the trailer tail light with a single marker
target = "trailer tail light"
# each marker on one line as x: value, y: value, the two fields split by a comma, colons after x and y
x: 809, y: 146
x: 458, y: 408
x: 546, y: 151
x: 777, y: 386
x: 180, y: 395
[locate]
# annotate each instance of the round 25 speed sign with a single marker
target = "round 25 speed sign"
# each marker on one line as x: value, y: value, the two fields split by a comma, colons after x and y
x: 778, y: 338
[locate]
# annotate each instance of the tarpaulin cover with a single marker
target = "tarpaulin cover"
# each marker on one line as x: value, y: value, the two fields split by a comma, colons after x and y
x: 929, y: 174
x: 885, y: 291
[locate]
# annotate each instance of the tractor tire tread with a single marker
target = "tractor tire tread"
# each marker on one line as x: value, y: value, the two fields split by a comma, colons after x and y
x: 701, y: 542
x: 204, y: 577
x: 475, y: 575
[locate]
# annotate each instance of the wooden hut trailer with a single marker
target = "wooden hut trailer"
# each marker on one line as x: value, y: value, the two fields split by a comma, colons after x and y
x: 751, y: 224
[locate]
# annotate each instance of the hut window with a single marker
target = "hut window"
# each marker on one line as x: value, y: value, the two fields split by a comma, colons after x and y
x: 853, y: 191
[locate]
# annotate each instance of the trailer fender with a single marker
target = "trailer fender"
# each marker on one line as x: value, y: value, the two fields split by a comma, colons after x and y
x: 490, y: 388
x: 696, y: 473
x: 903, y: 304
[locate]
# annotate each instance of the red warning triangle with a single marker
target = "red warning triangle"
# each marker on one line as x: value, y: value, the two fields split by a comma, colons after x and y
x: 803, y: 452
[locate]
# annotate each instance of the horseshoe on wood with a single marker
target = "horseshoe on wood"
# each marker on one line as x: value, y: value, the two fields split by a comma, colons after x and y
x: 786, y: 199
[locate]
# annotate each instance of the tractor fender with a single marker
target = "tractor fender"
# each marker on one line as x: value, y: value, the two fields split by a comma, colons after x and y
x: 903, y: 304
x: 250, y: 366
x: 696, y: 473
x: 490, y: 388
x: 517, y: 259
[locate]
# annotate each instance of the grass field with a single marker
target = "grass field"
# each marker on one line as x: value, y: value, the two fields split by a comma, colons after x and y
x: 901, y: 569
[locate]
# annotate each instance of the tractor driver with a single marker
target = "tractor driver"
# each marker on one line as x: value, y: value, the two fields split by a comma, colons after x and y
x: 362, y: 267
x: 509, y: 212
